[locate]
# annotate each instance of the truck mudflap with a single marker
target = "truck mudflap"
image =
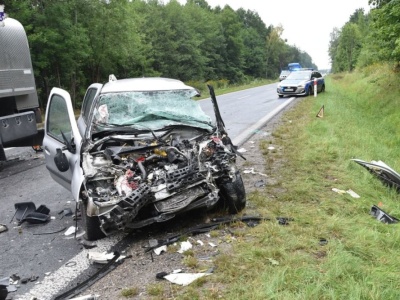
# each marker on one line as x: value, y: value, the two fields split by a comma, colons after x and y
x: 17, y: 127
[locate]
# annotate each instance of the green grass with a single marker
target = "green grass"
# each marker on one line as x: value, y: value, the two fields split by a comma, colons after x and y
x: 360, y: 260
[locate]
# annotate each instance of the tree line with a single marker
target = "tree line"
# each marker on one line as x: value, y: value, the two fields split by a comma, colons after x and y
x: 368, y: 38
x: 77, y: 42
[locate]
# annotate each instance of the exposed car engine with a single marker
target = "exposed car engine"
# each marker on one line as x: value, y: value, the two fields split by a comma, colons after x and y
x: 133, y: 181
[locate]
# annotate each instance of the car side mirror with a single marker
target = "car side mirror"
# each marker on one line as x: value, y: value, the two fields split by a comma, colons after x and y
x: 69, y: 144
x: 61, y: 161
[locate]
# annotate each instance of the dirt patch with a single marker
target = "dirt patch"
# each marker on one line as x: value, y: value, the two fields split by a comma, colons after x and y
x: 139, y: 271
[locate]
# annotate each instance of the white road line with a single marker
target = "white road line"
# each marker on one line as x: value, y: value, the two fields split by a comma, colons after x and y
x: 245, y: 135
x: 51, y: 285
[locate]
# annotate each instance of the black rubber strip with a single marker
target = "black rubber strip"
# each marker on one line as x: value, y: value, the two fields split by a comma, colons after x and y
x: 90, y: 281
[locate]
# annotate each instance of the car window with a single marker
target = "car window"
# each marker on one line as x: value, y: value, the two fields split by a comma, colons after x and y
x: 58, y: 119
x: 87, y: 102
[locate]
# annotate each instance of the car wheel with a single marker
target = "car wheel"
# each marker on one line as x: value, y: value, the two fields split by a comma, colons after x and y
x: 280, y: 96
x: 92, y: 225
x: 323, y: 88
x: 310, y: 91
x: 2, y: 153
x: 234, y: 194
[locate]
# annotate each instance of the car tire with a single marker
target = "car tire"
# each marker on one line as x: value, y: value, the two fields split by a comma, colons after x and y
x: 323, y: 88
x: 310, y: 91
x: 2, y: 153
x: 234, y: 194
x: 91, y: 225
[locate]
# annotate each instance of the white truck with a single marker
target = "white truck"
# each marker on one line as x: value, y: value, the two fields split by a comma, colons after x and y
x: 19, y: 104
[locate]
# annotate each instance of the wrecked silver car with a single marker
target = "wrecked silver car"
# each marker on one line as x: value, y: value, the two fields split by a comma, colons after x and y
x: 142, y: 151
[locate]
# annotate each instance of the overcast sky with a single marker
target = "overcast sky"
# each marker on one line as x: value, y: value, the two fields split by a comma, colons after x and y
x: 307, y: 24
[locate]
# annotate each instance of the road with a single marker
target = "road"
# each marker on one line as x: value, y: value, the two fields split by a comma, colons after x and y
x: 35, y: 250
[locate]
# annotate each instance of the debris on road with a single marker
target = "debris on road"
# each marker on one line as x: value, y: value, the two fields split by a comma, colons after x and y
x: 382, y: 216
x: 184, y: 279
x: 3, y: 228
x: 103, y: 257
x: 185, y: 246
x: 87, y: 297
x: 251, y: 171
x: 70, y: 230
x: 161, y: 249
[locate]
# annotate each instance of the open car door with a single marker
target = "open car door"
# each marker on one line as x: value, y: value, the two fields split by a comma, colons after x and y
x: 62, y: 141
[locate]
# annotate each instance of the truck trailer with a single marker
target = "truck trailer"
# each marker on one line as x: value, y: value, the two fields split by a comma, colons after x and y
x: 19, y: 104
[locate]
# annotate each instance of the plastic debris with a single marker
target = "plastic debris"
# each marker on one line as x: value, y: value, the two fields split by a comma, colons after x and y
x: 242, y: 150
x: 200, y: 242
x: 3, y: 228
x: 352, y: 193
x: 251, y: 171
x: 185, y: 246
x: 161, y: 249
x: 87, y: 297
x: 382, y: 216
x: 184, y: 279
x: 102, y: 257
x: 338, y: 191
x: 381, y: 170
x: 273, y: 262
x: 70, y: 230
x: 271, y: 148
x: 212, y: 245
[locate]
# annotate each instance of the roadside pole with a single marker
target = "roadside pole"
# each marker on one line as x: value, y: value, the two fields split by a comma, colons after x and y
x: 315, y: 87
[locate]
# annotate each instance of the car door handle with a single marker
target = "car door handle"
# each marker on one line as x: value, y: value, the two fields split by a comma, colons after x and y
x: 46, y: 149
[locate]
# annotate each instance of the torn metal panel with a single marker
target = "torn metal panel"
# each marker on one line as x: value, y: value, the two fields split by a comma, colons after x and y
x: 382, y: 216
x: 385, y: 173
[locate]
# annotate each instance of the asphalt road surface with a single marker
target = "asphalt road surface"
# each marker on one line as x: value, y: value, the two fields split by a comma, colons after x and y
x: 42, y: 252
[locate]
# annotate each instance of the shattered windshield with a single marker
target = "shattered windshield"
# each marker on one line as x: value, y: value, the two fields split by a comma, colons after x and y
x: 150, y: 109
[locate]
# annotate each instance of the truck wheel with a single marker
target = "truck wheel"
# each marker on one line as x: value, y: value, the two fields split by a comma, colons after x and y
x: 91, y: 225
x: 234, y: 194
x: 2, y: 153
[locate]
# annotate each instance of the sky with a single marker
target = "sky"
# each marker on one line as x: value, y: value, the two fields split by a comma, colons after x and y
x: 307, y: 24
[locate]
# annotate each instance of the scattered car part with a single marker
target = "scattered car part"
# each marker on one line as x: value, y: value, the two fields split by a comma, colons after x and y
x: 3, y: 228
x: 35, y: 218
x: 23, y: 208
x: 382, y: 216
x: 385, y: 173
x: 87, y: 297
x: 184, y: 279
x: 203, y: 228
x: 91, y: 280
